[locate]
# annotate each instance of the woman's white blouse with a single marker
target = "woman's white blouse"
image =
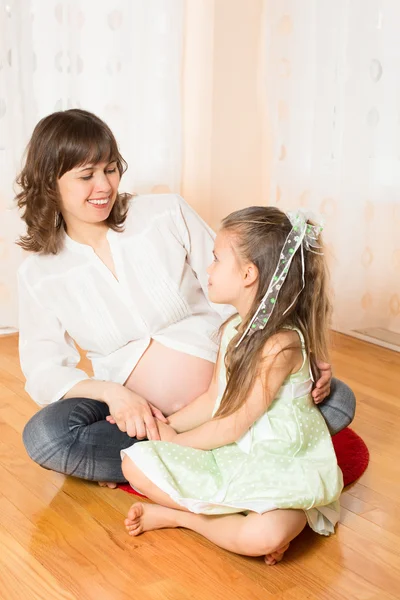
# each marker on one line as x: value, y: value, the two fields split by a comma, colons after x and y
x: 160, y: 293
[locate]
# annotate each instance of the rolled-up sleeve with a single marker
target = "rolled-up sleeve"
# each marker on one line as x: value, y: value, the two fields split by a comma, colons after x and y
x: 198, y: 239
x: 47, y: 353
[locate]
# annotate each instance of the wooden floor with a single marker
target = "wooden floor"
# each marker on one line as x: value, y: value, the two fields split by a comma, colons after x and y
x: 64, y: 538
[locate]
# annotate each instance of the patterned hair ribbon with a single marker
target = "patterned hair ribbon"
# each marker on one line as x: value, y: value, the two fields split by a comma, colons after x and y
x: 301, y: 236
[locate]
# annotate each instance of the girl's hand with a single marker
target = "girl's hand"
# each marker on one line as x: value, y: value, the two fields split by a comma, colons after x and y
x: 132, y: 413
x: 167, y: 433
x: 323, y: 386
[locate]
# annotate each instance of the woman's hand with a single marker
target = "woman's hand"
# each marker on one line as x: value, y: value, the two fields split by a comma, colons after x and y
x: 132, y: 413
x: 323, y: 386
x: 166, y: 432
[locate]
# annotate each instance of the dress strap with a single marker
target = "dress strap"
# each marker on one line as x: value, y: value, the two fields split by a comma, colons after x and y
x: 303, y: 350
x: 301, y: 336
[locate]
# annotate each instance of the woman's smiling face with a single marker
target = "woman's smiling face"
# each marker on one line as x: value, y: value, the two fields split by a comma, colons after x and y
x: 88, y: 192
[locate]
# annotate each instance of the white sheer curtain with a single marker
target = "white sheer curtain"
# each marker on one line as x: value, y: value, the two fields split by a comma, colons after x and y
x: 333, y: 89
x: 120, y: 60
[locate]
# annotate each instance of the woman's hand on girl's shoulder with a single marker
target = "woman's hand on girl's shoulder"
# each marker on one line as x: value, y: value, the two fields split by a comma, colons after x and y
x: 322, y: 387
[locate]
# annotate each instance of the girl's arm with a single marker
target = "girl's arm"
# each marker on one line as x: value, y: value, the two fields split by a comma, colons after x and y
x: 200, y: 410
x: 49, y: 360
x: 278, y: 362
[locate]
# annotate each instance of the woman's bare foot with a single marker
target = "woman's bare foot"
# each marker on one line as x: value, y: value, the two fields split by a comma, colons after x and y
x: 146, y: 517
x: 275, y: 557
x: 109, y: 484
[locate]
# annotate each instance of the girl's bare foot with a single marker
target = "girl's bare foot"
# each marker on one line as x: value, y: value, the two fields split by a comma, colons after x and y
x: 109, y: 484
x: 275, y: 557
x: 146, y: 517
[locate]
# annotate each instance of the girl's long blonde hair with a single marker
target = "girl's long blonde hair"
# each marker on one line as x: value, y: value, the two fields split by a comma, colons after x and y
x: 258, y: 236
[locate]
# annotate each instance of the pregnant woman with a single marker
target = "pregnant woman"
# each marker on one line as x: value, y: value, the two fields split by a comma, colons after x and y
x: 125, y: 278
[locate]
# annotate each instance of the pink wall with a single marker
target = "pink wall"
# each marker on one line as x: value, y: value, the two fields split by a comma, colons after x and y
x: 225, y: 164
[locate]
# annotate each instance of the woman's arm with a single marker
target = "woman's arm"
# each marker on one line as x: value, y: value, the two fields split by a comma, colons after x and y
x: 198, y: 240
x: 278, y: 362
x: 130, y: 412
x: 49, y: 361
x: 48, y: 355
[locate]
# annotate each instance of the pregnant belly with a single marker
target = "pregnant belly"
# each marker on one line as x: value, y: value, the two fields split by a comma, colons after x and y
x: 169, y: 379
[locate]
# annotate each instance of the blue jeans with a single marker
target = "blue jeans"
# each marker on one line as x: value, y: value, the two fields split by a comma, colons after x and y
x: 72, y: 436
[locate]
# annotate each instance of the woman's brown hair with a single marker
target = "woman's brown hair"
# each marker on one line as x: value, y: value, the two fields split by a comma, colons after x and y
x: 258, y: 235
x: 60, y: 142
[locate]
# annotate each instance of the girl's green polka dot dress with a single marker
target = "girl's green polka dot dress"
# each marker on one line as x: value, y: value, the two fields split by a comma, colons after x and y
x: 285, y: 460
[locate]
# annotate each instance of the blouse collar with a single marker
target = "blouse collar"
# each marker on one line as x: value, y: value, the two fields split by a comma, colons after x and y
x: 82, y: 248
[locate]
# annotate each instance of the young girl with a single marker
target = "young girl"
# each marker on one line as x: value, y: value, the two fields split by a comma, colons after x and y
x: 254, y: 442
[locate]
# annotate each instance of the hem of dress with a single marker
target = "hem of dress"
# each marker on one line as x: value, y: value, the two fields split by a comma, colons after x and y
x: 323, y: 519
x: 200, y: 506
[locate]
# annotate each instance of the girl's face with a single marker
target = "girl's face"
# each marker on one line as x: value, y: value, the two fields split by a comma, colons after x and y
x: 226, y: 283
x: 88, y: 192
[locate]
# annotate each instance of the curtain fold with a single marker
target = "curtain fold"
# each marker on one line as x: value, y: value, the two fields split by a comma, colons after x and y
x: 333, y: 93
